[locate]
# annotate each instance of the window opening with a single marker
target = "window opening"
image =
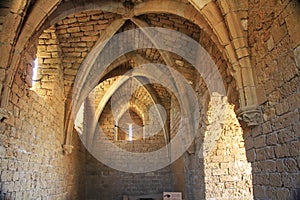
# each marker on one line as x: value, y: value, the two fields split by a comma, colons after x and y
x: 34, y: 71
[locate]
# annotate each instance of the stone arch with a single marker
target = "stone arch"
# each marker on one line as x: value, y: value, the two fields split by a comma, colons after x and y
x: 228, y: 11
x: 108, y: 95
x: 131, y: 111
x: 139, y: 111
x: 119, y: 23
x: 90, y: 85
x: 207, y: 9
x: 210, y: 24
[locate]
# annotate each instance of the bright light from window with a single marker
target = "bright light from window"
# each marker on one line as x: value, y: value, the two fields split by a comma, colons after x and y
x: 35, y: 69
x: 116, y: 131
x: 130, y: 132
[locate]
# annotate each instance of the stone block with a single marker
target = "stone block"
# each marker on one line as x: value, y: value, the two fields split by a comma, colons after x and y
x: 281, y: 151
x: 45, y: 36
x: 97, y: 17
x: 290, y: 165
x: 55, y: 54
x: 260, y: 154
x: 73, y: 29
x: 83, y: 19
x: 73, y: 54
x: 285, y: 135
x: 259, y: 191
x: 266, y: 128
x: 278, y: 32
x: 297, y: 56
x: 212, y: 13
x: 296, y: 129
x: 100, y: 27
x: 44, y: 55
x: 270, y: 43
x: 222, y: 32
x: 70, y: 72
x: 89, y: 39
x: 269, y: 166
x: 251, y: 155
x: 271, y: 192
x: 293, y: 28
x: 52, y: 61
x: 6, y: 175
x: 269, y: 152
x: 70, y: 20
x: 234, y: 25
x: 282, y: 108
x: 216, y: 172
x: 50, y: 41
x: 261, y: 179
x: 10, y: 31
x: 282, y: 193
x: 81, y: 49
x: 279, y: 165
x: 275, y: 179
x: 259, y: 141
x: 200, y: 3
x: 87, y: 28
x: 242, y: 52
x: 51, y: 48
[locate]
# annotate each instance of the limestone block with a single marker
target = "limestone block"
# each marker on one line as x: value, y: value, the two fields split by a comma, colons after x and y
x: 100, y: 27
x: 219, y: 172
x: 18, y: 7
x: 272, y: 139
x: 297, y: 56
x: 73, y: 29
x: 69, y: 20
x: 282, y: 193
x: 290, y: 165
x: 222, y: 32
x: 83, y: 19
x: 89, y: 39
x: 292, y: 22
x: 270, y: 43
x: 200, y: 3
x: 97, y: 17
x: 212, y: 13
x: 281, y: 151
x: 278, y: 32
x: 87, y: 28
x: 234, y: 24
x: 10, y: 31
x: 51, y: 48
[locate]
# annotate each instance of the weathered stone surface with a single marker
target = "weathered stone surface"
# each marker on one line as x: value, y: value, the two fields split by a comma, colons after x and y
x: 262, y: 36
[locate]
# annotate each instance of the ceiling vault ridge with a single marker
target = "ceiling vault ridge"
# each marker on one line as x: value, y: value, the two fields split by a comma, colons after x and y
x: 223, y: 32
x: 83, y: 72
x: 116, y: 85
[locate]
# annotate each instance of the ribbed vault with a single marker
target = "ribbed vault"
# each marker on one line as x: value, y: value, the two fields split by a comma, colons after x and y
x: 203, y: 14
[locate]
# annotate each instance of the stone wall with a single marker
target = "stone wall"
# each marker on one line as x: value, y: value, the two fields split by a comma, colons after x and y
x: 224, y: 171
x: 227, y: 171
x: 106, y: 123
x: 33, y: 165
x: 77, y: 35
x: 103, y: 182
x: 273, y: 146
x: 31, y: 134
